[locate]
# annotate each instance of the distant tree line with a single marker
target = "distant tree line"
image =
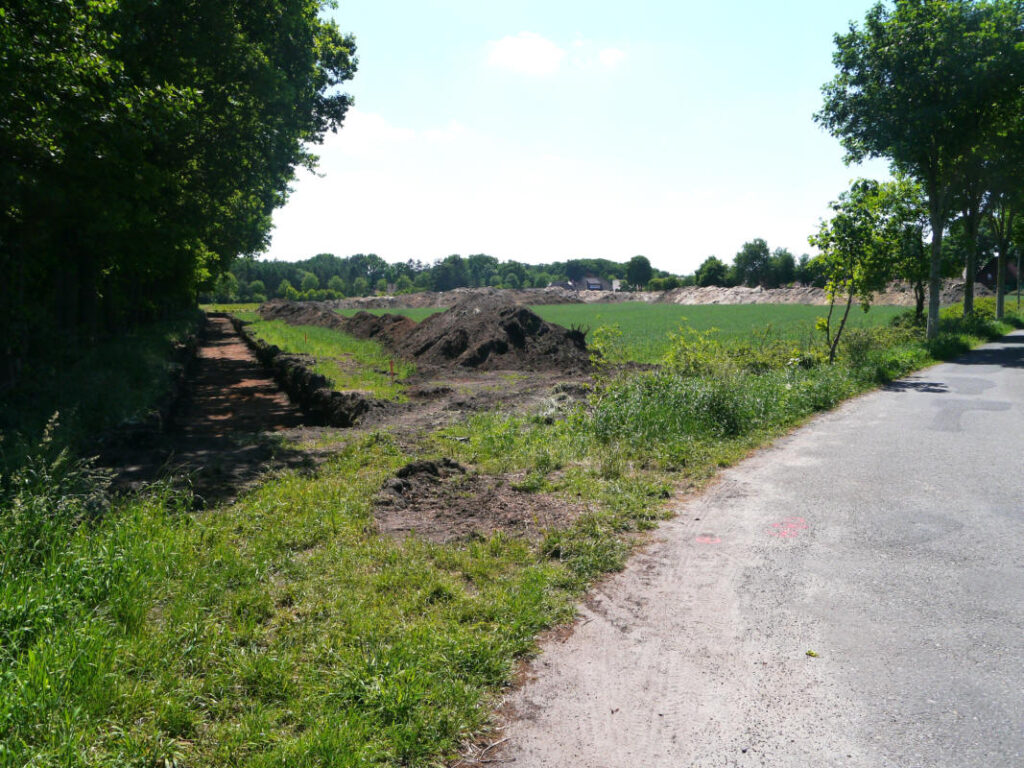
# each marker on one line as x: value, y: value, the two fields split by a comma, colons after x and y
x: 326, y: 276
x: 143, y: 146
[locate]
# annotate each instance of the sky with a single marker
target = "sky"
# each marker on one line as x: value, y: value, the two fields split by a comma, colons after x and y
x: 545, y: 130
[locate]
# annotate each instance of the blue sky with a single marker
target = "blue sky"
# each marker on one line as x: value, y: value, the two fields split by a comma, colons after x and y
x: 541, y: 131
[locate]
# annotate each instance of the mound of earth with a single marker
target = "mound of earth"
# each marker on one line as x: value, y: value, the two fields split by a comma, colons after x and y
x: 493, y: 333
x: 302, y: 313
x: 442, y: 501
x: 388, y: 329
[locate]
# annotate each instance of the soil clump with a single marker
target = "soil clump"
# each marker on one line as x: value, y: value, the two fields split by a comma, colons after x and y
x: 443, y: 501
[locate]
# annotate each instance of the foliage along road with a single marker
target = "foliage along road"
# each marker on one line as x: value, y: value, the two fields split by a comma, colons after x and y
x: 852, y: 596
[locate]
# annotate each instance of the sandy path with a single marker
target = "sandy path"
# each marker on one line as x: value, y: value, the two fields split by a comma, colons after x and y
x: 886, y: 537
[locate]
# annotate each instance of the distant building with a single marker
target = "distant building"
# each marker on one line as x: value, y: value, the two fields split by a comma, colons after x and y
x: 589, y: 283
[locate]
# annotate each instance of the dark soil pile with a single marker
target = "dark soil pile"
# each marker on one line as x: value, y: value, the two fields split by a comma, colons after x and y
x: 492, y: 333
x: 302, y: 313
x: 442, y: 501
x: 387, y: 329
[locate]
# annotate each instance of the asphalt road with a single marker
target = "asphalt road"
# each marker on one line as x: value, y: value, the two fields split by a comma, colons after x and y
x: 886, y: 537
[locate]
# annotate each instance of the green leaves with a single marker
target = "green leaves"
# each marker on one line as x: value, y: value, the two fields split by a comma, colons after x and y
x: 146, y: 146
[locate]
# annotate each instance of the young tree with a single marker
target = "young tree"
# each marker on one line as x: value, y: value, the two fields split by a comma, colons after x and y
x: 337, y: 285
x: 858, y: 246
x: 916, y: 85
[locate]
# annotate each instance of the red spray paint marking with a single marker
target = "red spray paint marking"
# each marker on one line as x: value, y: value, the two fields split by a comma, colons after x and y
x: 789, y: 528
x: 708, y: 540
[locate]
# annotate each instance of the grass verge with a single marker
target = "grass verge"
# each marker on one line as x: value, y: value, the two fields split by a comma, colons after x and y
x: 345, y: 361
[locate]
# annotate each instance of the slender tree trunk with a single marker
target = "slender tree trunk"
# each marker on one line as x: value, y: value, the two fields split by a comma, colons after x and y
x: 972, y: 215
x: 919, y: 297
x: 938, y: 222
x: 1000, y: 283
x: 842, y: 324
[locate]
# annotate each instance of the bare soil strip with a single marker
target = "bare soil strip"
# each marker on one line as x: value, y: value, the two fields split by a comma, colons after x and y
x: 227, y: 428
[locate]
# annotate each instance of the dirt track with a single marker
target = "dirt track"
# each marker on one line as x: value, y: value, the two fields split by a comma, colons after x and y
x: 222, y: 435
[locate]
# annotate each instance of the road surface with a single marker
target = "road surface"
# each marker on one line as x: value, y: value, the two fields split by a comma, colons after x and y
x: 885, y: 538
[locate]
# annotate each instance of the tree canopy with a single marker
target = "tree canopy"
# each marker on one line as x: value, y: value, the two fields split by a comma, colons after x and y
x: 920, y: 83
x: 143, y: 146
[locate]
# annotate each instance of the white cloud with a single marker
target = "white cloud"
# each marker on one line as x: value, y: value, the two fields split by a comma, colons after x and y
x: 365, y: 133
x: 526, y: 53
x: 610, y: 58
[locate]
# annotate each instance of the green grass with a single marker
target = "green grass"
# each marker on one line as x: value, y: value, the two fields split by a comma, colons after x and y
x: 646, y: 327
x: 277, y: 631
x: 347, y: 362
x: 283, y: 630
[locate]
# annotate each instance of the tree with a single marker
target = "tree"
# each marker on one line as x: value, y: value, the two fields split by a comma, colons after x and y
x: 917, y: 84
x: 284, y: 288
x: 1005, y: 201
x: 309, y: 282
x: 450, y: 273
x: 143, y: 146
x: 781, y: 268
x: 575, y: 270
x: 752, y: 263
x: 638, y: 271
x: 337, y: 285
x: 906, y: 201
x: 713, y: 271
x: 480, y: 266
x: 857, y: 246
x: 361, y: 287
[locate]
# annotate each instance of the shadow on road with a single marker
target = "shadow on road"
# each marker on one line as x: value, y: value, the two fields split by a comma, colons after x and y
x: 1007, y: 352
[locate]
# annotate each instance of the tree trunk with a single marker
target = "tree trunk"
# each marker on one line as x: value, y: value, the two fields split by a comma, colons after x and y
x: 1000, y: 282
x: 938, y: 221
x: 972, y: 215
x: 919, y: 296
